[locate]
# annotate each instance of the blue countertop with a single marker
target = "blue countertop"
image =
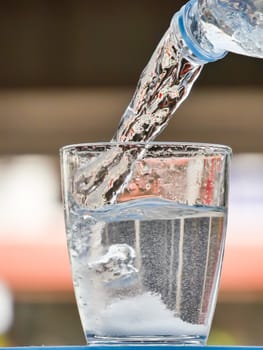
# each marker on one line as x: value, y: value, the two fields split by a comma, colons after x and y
x: 134, y: 347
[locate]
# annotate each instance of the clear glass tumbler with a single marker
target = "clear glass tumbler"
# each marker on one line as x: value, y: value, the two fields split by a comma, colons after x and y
x: 146, y: 228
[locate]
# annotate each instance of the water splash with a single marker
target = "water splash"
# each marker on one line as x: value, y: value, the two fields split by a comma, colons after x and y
x: 116, y: 267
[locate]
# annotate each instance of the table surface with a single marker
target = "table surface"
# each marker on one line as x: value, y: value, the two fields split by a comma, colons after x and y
x: 136, y: 347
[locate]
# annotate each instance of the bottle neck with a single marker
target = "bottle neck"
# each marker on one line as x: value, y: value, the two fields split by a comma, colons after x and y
x: 186, y: 22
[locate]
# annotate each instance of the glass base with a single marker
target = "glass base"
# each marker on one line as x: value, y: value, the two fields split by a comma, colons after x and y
x: 150, y: 340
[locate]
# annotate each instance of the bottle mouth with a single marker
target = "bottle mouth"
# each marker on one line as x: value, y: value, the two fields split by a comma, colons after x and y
x: 182, y: 17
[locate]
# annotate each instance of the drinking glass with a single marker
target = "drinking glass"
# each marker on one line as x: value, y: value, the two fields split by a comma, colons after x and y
x: 145, y: 226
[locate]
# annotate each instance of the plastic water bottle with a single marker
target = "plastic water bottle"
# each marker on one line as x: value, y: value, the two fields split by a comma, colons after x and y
x: 211, y: 28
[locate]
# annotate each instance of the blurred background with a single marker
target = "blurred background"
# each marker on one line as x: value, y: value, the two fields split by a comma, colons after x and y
x: 67, y: 71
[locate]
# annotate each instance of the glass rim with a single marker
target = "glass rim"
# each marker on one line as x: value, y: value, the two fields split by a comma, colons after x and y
x: 211, y: 147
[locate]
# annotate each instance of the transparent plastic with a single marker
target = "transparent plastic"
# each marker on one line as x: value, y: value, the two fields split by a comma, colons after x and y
x: 211, y: 28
